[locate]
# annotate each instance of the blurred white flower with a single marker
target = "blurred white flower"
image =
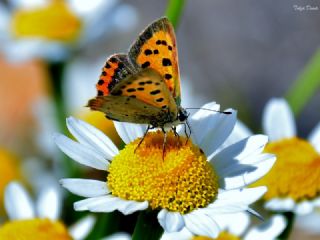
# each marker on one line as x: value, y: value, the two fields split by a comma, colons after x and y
x: 293, y: 182
x: 40, y: 219
x: 51, y: 29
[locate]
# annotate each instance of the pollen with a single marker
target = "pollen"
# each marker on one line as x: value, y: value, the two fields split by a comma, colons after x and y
x: 52, y: 22
x: 34, y: 229
x: 179, y: 180
x: 222, y: 236
x: 296, y: 172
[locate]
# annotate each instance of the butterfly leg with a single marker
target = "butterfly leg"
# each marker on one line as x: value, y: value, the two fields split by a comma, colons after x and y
x: 185, y: 130
x: 144, y: 135
x: 176, y: 134
x: 164, y: 142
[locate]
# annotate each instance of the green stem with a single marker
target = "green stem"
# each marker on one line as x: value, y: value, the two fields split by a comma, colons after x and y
x: 56, y: 71
x: 147, y: 227
x: 306, y: 85
x: 290, y: 217
x: 174, y: 11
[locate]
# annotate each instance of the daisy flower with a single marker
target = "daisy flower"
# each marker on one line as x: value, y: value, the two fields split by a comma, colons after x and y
x: 293, y: 182
x: 190, y: 187
x: 38, y: 221
x: 235, y: 227
x: 49, y: 29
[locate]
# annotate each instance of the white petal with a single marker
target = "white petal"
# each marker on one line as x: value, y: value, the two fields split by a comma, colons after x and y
x: 80, y: 153
x: 85, y: 187
x: 129, y: 207
x: 81, y: 229
x: 278, y: 204
x: 129, y: 131
x: 118, y: 236
x: 278, y: 120
x: 231, y: 201
x: 304, y: 208
x: 314, y: 137
x: 184, y: 234
x: 239, y: 132
x: 109, y: 204
x: 170, y: 221
x: 90, y: 136
x: 201, y: 224
x: 210, y: 129
x: 28, y: 4
x: 49, y: 203
x: 242, y: 163
x: 197, y: 119
x: 239, y: 151
x: 18, y: 203
x: 84, y: 205
x: 316, y: 202
x: 244, y: 174
x: 269, y: 230
x: 235, y: 223
x: 85, y: 8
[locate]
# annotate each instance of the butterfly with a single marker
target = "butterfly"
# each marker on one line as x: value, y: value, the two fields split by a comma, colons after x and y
x: 143, y: 86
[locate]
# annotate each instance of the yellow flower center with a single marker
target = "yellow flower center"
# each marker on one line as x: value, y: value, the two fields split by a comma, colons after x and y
x: 54, y: 22
x: 296, y: 172
x: 181, y: 181
x: 34, y: 229
x: 222, y: 236
x: 9, y: 171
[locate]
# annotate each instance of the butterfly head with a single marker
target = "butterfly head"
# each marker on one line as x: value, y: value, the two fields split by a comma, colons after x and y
x: 182, y: 114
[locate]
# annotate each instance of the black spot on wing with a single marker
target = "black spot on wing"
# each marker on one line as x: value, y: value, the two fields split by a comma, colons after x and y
x: 100, y: 82
x: 167, y: 76
x: 147, y: 52
x: 145, y: 64
x: 166, y: 62
x: 154, y: 92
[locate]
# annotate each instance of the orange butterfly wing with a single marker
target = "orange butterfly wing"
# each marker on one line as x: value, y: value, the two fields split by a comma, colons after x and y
x: 117, y: 68
x: 156, y: 48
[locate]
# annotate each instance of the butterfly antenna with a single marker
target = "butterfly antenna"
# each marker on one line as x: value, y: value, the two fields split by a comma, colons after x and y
x: 211, y: 110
